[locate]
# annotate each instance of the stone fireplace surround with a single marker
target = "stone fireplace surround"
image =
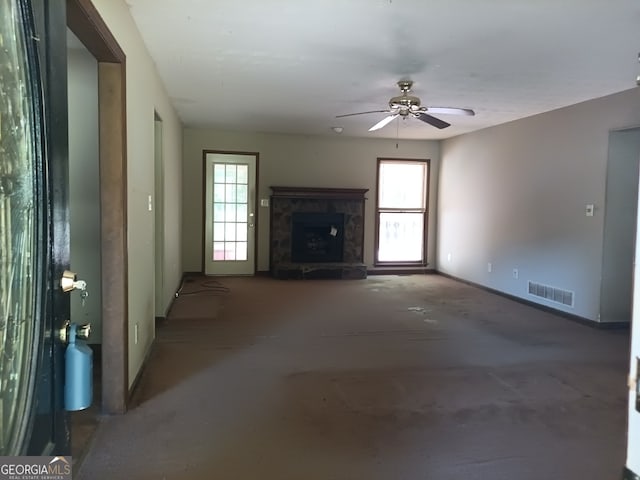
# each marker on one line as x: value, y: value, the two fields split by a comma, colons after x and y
x: 285, y: 201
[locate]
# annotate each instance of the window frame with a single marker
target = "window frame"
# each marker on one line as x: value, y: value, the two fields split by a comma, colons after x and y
x: 423, y: 210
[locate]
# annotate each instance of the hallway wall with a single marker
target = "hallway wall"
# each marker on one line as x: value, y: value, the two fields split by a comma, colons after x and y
x: 515, y: 196
x: 300, y: 161
x: 146, y: 95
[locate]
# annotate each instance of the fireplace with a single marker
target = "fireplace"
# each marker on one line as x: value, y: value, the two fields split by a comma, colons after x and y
x: 317, y: 232
x: 317, y: 237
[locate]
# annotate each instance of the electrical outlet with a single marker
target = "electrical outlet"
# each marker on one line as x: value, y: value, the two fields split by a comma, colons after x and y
x: 489, y: 267
x: 515, y: 273
x: 150, y: 203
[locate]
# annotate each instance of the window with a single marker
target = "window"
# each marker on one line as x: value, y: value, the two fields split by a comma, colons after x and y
x: 401, y: 213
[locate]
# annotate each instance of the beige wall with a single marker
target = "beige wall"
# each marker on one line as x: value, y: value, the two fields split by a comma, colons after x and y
x: 515, y: 196
x: 146, y: 95
x: 296, y: 160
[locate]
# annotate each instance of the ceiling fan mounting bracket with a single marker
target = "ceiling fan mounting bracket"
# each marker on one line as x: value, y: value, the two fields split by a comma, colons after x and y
x: 405, y: 85
x: 405, y: 102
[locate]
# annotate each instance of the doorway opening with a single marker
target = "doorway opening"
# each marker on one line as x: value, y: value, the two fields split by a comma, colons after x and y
x: 84, y: 216
x: 109, y: 164
x: 620, y: 213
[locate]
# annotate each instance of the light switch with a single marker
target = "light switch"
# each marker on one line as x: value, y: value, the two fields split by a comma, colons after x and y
x: 150, y: 203
x: 264, y: 202
x: 589, y: 210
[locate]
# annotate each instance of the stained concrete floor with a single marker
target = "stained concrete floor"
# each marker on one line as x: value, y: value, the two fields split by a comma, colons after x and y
x: 393, y: 377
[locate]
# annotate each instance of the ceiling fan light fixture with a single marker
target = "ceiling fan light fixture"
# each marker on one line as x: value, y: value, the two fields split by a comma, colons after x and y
x: 404, y: 100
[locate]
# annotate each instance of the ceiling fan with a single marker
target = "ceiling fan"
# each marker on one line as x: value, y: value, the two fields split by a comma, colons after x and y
x: 404, y: 105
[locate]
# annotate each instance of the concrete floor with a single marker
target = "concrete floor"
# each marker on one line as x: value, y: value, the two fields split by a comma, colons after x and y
x: 393, y: 377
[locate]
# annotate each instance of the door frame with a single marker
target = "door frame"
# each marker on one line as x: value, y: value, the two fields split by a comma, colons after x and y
x: 256, y: 155
x: 86, y: 23
x: 158, y: 218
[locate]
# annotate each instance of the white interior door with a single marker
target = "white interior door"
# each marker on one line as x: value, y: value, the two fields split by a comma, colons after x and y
x: 229, y: 214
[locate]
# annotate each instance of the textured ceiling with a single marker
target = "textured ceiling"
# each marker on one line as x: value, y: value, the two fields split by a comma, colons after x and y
x: 291, y: 66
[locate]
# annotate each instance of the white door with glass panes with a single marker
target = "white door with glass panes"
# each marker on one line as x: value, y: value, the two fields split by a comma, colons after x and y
x: 229, y: 214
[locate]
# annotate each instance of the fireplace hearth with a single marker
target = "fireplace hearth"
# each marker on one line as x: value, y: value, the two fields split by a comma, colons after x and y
x: 317, y: 232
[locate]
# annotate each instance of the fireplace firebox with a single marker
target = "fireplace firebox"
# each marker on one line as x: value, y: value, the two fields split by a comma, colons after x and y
x: 317, y: 237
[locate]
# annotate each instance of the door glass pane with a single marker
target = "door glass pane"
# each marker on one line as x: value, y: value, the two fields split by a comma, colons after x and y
x: 241, y: 251
x: 218, y: 231
x: 230, y: 174
x: 231, y: 197
x: 218, y: 250
x: 218, y: 173
x: 19, y: 156
x: 400, y: 237
x: 242, y: 232
x: 231, y: 194
x: 230, y: 215
x: 218, y: 192
x: 230, y: 231
x: 219, y: 212
x: 243, y: 174
x: 241, y: 194
x: 230, y: 251
x: 241, y: 212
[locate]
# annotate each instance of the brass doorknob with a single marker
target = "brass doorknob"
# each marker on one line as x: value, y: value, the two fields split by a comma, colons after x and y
x: 69, y: 282
x: 63, y: 333
x: 82, y: 331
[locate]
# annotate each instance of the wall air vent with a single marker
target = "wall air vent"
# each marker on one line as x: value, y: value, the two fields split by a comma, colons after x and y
x: 552, y: 294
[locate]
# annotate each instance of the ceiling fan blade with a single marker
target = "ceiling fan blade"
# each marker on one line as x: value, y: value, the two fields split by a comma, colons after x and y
x: 383, y: 122
x: 451, y: 110
x: 436, y: 122
x: 362, y: 113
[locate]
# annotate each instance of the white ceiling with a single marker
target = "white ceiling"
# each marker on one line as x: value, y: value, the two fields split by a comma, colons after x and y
x: 291, y: 66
